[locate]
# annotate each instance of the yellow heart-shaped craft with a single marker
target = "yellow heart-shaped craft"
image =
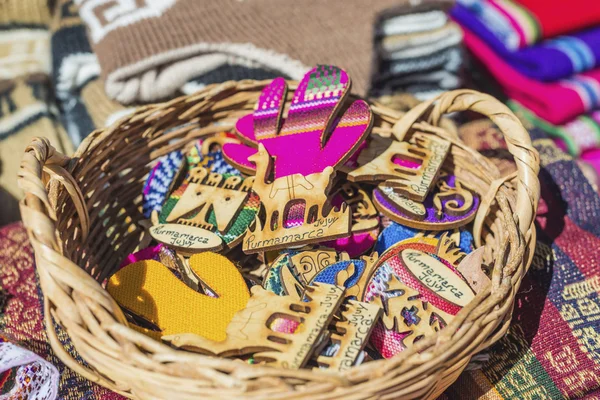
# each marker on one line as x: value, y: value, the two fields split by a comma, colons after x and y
x: 149, y: 290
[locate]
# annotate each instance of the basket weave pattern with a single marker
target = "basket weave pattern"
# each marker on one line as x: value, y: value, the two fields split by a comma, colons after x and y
x: 81, y: 214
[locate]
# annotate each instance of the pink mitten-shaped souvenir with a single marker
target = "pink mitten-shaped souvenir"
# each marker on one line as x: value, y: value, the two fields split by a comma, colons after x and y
x: 312, y: 137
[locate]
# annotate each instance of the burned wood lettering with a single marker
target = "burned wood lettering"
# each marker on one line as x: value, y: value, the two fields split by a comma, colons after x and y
x: 423, y: 158
x: 351, y: 334
x: 437, y: 277
x: 186, y: 237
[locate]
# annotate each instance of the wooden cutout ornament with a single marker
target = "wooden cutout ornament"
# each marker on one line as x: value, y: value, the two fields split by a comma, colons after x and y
x: 282, y: 280
x: 220, y: 203
x: 313, y: 136
x: 364, y: 213
x: 350, y: 334
x: 148, y: 290
x: 297, y: 157
x: 297, y: 210
x: 406, y: 319
x: 249, y: 333
x: 450, y: 205
x: 350, y: 274
x: 410, y: 168
x: 186, y: 239
x: 290, y: 274
x: 395, y: 233
x: 425, y: 269
x: 291, y: 271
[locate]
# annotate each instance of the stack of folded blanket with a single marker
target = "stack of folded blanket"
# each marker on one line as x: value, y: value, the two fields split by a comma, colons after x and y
x: 418, y: 50
x: 546, y: 57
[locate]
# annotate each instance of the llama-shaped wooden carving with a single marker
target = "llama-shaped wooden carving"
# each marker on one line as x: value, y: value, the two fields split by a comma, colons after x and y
x: 411, y: 168
x: 295, y: 157
x: 296, y: 207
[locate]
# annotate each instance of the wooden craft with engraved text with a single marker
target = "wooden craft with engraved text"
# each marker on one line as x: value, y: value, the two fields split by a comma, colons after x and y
x: 318, y: 221
x: 410, y: 168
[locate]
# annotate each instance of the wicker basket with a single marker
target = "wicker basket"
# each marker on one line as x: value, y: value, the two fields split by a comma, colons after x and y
x: 81, y: 215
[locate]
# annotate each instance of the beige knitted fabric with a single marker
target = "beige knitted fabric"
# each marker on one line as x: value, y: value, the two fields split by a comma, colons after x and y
x: 148, y: 49
x: 26, y: 106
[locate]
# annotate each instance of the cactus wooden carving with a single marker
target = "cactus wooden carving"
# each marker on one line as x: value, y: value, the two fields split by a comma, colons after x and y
x: 313, y: 136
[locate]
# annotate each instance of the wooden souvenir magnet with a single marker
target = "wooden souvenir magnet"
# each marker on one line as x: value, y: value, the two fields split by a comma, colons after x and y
x: 364, y: 214
x: 249, y: 333
x: 450, y: 205
x: 220, y: 203
x: 423, y: 269
x: 410, y: 168
x: 308, y: 263
x: 350, y: 334
x: 296, y: 209
x: 314, y: 135
x: 365, y: 221
x: 350, y: 274
x: 282, y: 280
x: 406, y: 319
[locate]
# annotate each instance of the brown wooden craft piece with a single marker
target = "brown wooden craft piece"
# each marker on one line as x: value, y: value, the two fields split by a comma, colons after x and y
x: 186, y: 239
x: 318, y: 221
x: 211, y: 191
x: 449, y: 205
x: 249, y: 333
x: 308, y: 263
x: 364, y: 214
x: 406, y: 313
x: 426, y: 152
x: 470, y: 269
x: 350, y: 333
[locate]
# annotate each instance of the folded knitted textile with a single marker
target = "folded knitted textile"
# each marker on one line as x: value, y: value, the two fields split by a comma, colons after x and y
x: 424, y: 60
x: 83, y: 103
x: 149, y: 49
x: 575, y: 137
x: 556, y: 102
x: 551, y: 349
x: 548, y: 60
x: 521, y: 23
x: 80, y: 93
x: 27, y: 108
